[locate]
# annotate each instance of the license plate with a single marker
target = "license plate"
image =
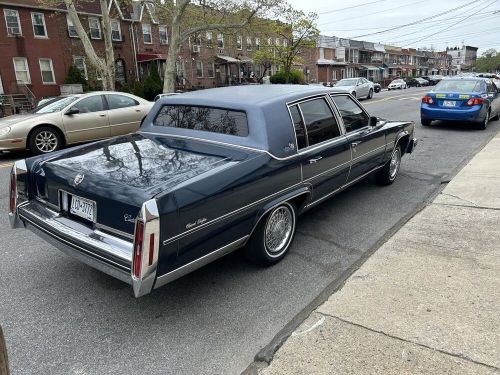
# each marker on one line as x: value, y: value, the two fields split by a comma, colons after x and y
x: 83, y: 208
x: 449, y: 103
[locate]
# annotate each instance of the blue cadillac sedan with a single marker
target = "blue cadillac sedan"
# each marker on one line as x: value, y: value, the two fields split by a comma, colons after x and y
x: 470, y: 99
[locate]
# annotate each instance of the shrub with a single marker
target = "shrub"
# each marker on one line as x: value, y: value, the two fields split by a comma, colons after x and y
x: 296, y: 77
x: 75, y: 76
x: 153, y: 85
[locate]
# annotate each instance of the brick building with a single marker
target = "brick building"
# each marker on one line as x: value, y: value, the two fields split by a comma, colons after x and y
x: 39, y: 43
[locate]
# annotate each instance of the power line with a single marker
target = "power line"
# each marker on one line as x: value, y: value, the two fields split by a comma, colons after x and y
x: 351, y: 7
x: 456, y: 23
x: 380, y: 11
x: 414, y: 22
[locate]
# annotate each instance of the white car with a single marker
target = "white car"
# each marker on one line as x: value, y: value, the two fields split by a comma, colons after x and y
x: 397, y: 84
x: 357, y: 87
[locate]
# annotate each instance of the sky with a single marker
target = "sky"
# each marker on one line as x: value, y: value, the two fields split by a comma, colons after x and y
x: 475, y: 23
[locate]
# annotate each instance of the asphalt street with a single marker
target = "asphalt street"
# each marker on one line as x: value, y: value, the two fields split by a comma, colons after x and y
x: 62, y: 317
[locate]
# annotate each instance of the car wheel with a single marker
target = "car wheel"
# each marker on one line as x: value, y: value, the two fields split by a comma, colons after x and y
x: 273, y: 236
x: 484, y: 124
x: 370, y: 94
x: 387, y: 175
x: 425, y: 122
x: 44, y: 140
x: 353, y: 93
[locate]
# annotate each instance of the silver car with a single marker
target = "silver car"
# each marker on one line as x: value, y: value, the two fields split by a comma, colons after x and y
x: 358, y: 87
x: 73, y: 119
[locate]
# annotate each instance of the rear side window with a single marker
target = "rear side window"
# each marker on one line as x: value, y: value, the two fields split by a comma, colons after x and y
x: 209, y: 119
x: 120, y: 101
x: 353, y: 116
x: 320, y: 123
x: 298, y: 124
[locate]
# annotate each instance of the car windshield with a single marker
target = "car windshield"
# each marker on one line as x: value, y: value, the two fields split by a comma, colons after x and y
x: 459, y: 85
x: 346, y: 82
x: 55, y: 105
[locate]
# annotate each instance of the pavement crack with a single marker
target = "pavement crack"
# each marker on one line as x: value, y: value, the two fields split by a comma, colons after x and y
x: 430, y: 178
x: 336, y: 244
x: 455, y: 355
x: 467, y: 206
x: 460, y: 198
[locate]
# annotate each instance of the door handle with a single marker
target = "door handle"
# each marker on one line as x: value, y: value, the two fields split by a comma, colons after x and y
x: 355, y: 144
x: 137, y: 110
x: 102, y: 115
x: 315, y: 160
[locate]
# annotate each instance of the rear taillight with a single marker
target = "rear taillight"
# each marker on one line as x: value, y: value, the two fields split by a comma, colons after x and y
x: 138, y: 247
x: 474, y: 101
x: 12, y: 193
x: 428, y: 100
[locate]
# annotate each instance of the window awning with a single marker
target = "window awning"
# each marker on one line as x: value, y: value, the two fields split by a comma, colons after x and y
x: 329, y: 62
x: 230, y: 59
x: 143, y: 57
x: 369, y: 67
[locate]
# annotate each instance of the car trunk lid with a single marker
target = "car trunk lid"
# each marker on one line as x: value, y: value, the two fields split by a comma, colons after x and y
x: 122, y: 173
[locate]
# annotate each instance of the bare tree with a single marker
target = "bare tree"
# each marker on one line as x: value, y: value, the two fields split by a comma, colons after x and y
x: 188, y: 20
x: 105, y: 66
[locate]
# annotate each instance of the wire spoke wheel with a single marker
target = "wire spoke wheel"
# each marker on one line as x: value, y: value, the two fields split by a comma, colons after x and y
x: 46, y: 141
x: 395, y: 164
x: 279, y: 230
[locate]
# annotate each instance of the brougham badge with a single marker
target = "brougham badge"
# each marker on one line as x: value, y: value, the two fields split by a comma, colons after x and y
x: 79, y: 179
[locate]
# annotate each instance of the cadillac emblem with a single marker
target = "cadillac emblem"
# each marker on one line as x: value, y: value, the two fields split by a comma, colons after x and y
x: 79, y: 179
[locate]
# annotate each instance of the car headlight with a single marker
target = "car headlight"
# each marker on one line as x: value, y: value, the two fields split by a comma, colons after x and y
x: 4, y: 131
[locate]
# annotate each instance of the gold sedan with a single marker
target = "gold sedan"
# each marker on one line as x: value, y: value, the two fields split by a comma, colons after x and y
x: 73, y: 119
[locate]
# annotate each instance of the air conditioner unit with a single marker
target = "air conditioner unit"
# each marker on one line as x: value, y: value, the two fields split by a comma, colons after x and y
x: 196, y: 49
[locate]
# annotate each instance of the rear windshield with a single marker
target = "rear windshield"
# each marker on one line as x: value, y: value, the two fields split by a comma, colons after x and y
x: 210, y: 119
x: 346, y: 82
x: 459, y: 86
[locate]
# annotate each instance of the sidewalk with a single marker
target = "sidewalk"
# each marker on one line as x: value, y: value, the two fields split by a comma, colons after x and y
x: 427, y: 301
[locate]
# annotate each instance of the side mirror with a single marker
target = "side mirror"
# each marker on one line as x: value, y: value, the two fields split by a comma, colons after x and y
x: 72, y: 111
x: 373, y: 121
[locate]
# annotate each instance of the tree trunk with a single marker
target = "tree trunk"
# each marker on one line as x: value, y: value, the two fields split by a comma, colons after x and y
x: 173, y: 51
x: 108, y: 43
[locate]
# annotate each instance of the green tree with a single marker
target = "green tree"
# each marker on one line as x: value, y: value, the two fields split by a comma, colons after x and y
x: 298, y: 31
x: 188, y: 20
x: 75, y: 76
x: 489, y: 61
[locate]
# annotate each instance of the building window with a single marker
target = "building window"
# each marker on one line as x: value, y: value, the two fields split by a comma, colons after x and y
x: 146, y: 33
x: 116, y: 31
x: 277, y: 41
x: 211, y: 70
x: 120, y: 75
x: 71, y: 28
x: 197, y: 40
x: 269, y: 41
x: 38, y: 21
x: 163, y: 35
x: 249, y: 43
x: 257, y: 44
x: 12, y: 22
x: 220, y: 40
x: 22, y: 70
x: 95, y: 28
x: 199, y: 68
x: 285, y: 43
x: 208, y: 39
x: 239, y: 42
x: 47, y: 71
x: 79, y: 63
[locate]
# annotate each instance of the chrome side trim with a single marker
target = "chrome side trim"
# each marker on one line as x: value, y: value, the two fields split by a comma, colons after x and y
x: 198, y: 263
x: 369, y: 152
x: 213, y: 221
x: 327, y: 171
x: 105, y: 228
x: 19, y: 168
x: 47, y: 203
x: 345, y: 186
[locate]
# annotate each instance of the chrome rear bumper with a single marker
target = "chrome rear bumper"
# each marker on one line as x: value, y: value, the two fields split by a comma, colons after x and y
x: 100, y: 250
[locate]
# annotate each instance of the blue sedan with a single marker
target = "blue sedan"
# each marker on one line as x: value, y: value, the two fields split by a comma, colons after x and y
x: 470, y: 99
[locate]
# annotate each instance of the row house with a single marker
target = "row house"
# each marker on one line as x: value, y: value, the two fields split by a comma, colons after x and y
x: 337, y: 58
x: 39, y: 43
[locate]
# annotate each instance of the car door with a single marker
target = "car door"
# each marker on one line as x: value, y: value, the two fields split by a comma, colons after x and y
x: 367, y: 142
x: 494, y: 98
x: 366, y: 86
x: 125, y: 114
x: 324, y: 152
x: 89, y: 123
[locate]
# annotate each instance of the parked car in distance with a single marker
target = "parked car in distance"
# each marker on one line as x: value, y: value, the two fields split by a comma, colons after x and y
x: 433, y: 79
x: 209, y: 171
x: 358, y: 87
x: 397, y: 84
x: 470, y: 99
x: 72, y: 119
x: 376, y: 87
x: 416, y: 82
